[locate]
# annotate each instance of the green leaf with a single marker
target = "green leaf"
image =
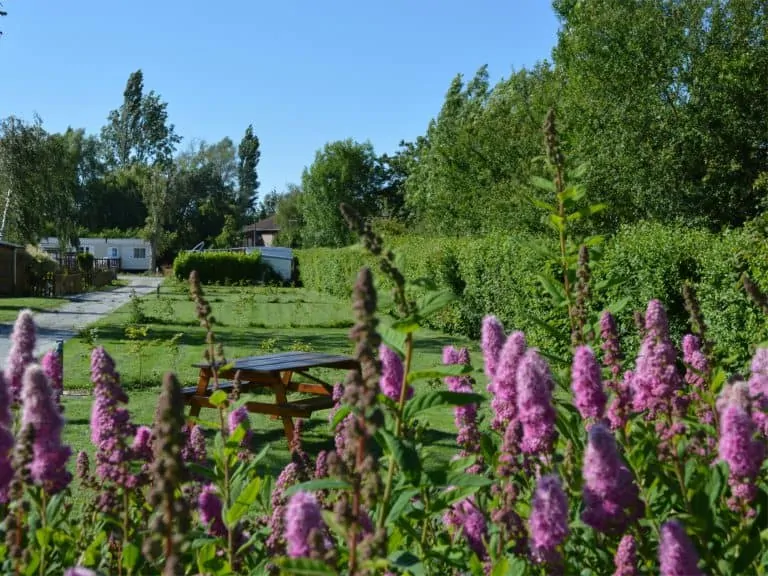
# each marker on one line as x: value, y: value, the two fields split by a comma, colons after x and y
x: 304, y: 567
x: 433, y: 302
x: 406, y: 325
x: 243, y: 502
x: 402, y: 503
x: 202, y: 471
x: 404, y: 454
x: 392, y: 338
x: 43, y: 536
x: 423, y: 402
x: 340, y: 414
x: 553, y: 287
x: 556, y: 222
x: 407, y: 561
x: 91, y: 555
x: 218, y: 398
x: 320, y: 484
x: 468, y: 481
x: 543, y: 184
x: 501, y: 567
x: 440, y: 371
x: 131, y: 554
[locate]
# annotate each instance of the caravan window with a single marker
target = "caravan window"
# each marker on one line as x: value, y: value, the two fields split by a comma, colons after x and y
x: 139, y: 253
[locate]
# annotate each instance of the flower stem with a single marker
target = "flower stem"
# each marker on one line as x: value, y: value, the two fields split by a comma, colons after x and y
x: 44, y: 524
x: 398, y: 427
x: 225, y: 461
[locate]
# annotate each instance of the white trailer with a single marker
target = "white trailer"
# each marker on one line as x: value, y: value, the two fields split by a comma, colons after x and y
x: 135, y: 254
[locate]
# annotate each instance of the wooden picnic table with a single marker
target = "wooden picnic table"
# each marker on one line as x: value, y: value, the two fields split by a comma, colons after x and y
x: 275, y: 372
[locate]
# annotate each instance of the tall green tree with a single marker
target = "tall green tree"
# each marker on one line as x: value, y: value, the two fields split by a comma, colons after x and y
x: 139, y: 132
x: 343, y: 172
x: 667, y: 102
x: 290, y: 217
x: 248, y: 155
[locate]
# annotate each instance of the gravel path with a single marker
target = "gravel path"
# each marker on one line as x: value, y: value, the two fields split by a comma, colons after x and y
x: 82, y: 310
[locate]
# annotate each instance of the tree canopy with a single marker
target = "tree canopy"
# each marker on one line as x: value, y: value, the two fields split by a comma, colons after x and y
x: 662, y: 102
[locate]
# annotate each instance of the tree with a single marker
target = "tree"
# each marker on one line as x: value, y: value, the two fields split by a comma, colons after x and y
x: 268, y: 206
x: 248, y: 156
x: 156, y: 192
x: 40, y: 172
x: 289, y: 218
x: 138, y: 132
x: 2, y: 13
x: 343, y: 172
x: 666, y: 100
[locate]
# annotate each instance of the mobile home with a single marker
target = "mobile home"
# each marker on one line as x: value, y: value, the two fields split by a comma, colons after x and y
x: 133, y: 254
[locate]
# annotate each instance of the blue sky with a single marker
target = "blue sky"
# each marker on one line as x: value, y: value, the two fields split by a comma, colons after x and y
x: 303, y: 72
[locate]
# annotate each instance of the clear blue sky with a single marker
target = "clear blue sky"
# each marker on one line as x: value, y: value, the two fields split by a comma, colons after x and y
x: 303, y: 72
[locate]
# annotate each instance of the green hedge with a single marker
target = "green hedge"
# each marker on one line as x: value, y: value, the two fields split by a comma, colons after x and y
x: 224, y: 267
x: 498, y: 275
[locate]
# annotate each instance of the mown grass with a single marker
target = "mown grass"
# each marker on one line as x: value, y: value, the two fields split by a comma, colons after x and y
x: 249, y: 321
x: 10, y: 307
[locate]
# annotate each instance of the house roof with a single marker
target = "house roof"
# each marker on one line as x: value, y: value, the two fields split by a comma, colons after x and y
x: 5, y: 244
x: 266, y: 225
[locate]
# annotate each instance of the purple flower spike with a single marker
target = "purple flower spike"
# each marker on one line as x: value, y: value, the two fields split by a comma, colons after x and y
x: 609, y: 334
x: 210, y: 507
x: 21, y: 353
x: 194, y: 449
x: 548, y: 522
x: 743, y: 453
x: 41, y: 411
x: 6, y: 442
x: 758, y: 389
x: 696, y: 362
x: 51, y: 364
x: 466, y: 517
x: 611, y: 497
x: 239, y: 416
x: 392, y: 373
x: 111, y: 426
x: 534, y: 404
x: 587, y: 384
x: 504, y: 403
x: 468, y: 437
x: 492, y: 341
x: 677, y: 555
x: 625, y: 559
x: 142, y: 443
x: 656, y: 380
x: 80, y: 571
x: 302, y: 517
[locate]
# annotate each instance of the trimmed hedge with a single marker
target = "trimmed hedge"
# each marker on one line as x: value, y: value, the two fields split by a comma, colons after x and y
x: 497, y: 275
x: 224, y: 267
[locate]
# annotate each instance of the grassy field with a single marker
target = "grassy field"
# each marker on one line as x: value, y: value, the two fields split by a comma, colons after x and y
x: 10, y: 307
x: 249, y: 321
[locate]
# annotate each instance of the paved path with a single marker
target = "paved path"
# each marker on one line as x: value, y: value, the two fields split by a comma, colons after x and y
x: 81, y: 310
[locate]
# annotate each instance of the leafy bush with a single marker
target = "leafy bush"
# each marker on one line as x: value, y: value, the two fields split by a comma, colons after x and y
x: 640, y: 263
x: 224, y: 267
x: 85, y: 262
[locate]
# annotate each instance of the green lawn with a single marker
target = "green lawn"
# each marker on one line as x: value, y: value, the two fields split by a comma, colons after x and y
x: 249, y: 321
x: 10, y: 307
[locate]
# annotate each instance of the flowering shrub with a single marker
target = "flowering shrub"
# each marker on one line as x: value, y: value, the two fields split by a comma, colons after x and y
x: 589, y: 465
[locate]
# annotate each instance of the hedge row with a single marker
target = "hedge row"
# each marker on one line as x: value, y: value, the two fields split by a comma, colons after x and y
x: 498, y: 275
x: 223, y: 267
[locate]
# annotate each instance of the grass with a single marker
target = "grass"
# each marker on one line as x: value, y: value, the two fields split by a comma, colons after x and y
x: 249, y: 321
x: 10, y: 307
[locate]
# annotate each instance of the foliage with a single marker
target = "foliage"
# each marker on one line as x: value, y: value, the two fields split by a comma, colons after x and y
x: 342, y: 172
x: 247, y: 177
x: 223, y: 267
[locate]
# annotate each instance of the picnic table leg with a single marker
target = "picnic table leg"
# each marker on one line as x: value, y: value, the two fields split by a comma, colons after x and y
x: 202, y: 385
x: 281, y: 383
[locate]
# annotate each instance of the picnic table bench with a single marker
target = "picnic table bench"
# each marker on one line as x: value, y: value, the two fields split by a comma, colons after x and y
x: 273, y: 372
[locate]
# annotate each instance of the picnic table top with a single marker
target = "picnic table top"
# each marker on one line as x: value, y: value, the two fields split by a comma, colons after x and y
x: 283, y: 361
